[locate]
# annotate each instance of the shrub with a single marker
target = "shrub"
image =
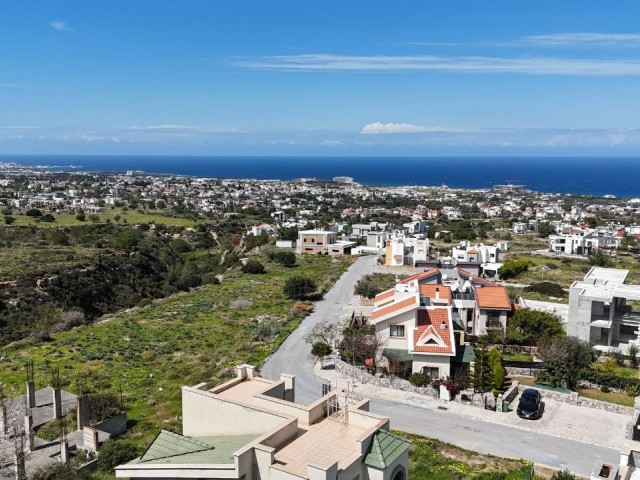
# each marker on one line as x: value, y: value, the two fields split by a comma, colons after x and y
x: 419, y: 379
x: 366, y: 289
x: 564, y: 475
x: 114, y: 453
x: 298, y: 287
x: 253, y: 267
x: 284, y: 258
x: 633, y: 355
x: 48, y: 218
x: 55, y: 471
x: 605, y: 389
x: 8, y: 219
x: 34, y: 212
x: 81, y: 217
x: 302, y: 308
x: 95, y: 218
x: 241, y: 303
x: 321, y: 350
x: 546, y: 288
x: 210, y: 279
x: 513, y: 269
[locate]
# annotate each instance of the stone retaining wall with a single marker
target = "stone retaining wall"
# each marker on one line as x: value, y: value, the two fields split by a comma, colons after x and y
x: 365, y: 377
x: 521, y: 372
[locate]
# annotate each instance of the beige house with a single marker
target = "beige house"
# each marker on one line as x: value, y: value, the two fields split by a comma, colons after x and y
x: 251, y: 428
x: 322, y: 242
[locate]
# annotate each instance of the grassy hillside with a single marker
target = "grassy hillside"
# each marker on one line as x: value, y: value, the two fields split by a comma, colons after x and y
x: 150, y: 352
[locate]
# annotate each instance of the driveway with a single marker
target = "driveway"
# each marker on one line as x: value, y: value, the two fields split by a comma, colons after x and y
x: 412, y: 415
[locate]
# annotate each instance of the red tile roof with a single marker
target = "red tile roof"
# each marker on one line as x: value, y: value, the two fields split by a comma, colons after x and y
x: 384, y: 295
x: 495, y: 297
x: 429, y: 291
x: 430, y: 324
x: 420, y: 276
x: 394, y: 307
x: 473, y: 252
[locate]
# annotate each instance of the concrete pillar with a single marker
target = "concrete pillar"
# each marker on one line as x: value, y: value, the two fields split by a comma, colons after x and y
x: 28, y: 431
x: 81, y: 411
x: 64, y: 451
x: 57, y: 403
x: 3, y: 419
x: 21, y: 471
x: 31, y: 394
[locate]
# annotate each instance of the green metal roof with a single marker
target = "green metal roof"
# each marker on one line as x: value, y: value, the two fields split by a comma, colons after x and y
x: 458, y: 326
x: 464, y: 354
x: 169, y: 447
x: 397, y: 354
x: 385, y: 448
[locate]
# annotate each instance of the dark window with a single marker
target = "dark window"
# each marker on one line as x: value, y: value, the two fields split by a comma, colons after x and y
x: 396, y: 330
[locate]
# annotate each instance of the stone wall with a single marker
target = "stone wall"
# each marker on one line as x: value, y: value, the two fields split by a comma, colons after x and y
x: 521, y: 372
x: 397, y: 383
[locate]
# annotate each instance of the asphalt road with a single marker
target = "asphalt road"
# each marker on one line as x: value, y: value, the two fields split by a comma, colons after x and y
x: 294, y: 357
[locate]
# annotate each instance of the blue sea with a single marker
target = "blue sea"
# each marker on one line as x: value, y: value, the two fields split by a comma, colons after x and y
x: 619, y: 176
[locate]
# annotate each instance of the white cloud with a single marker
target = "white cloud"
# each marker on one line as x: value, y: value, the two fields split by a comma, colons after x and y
x: 585, y: 39
x: 60, y: 26
x: 377, y: 128
x: 464, y: 64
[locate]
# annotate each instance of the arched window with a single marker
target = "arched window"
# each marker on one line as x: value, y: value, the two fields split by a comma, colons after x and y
x: 399, y: 473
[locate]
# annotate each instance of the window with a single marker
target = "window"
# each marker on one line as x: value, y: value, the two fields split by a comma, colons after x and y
x: 493, y: 320
x: 433, y: 372
x: 396, y: 330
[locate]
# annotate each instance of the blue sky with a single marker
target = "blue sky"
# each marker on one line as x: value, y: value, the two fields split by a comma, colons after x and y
x: 330, y: 77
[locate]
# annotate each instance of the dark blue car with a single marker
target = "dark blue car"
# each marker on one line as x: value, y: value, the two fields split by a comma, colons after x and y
x: 530, y: 405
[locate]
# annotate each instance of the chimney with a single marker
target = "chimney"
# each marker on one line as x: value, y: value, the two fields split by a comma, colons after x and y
x: 437, y: 293
x: 443, y: 325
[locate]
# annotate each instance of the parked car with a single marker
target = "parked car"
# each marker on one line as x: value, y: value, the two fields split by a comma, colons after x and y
x: 530, y: 405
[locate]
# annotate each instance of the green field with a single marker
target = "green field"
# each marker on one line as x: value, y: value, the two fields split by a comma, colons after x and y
x: 149, y: 353
x: 431, y: 459
x: 69, y: 219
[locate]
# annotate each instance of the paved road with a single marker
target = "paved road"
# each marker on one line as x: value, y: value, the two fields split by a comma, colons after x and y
x: 294, y: 357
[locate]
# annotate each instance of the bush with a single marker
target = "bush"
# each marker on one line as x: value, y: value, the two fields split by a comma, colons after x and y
x: 284, y: 258
x: 253, y: 267
x: 8, y: 219
x: 419, y: 379
x: 546, y: 288
x: 605, y: 389
x: 366, y: 289
x: 48, y: 218
x: 512, y: 269
x: 210, y: 279
x: 81, y: 217
x: 298, y: 287
x: 34, y: 212
x: 55, y: 471
x: 610, y: 380
x: 564, y: 475
x: 321, y: 350
x: 114, y: 453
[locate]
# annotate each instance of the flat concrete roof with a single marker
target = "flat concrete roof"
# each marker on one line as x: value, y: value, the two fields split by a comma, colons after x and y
x: 320, y: 444
x: 611, y: 276
x: 630, y: 292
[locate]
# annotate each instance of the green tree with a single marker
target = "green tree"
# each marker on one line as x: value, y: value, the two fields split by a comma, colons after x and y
x: 482, y: 377
x: 512, y: 269
x: 34, y: 212
x: 498, y: 372
x: 545, y: 229
x: 114, y: 453
x: 528, y: 326
x: 321, y: 350
x: 600, y: 258
x: 563, y: 358
x: 81, y: 217
x: 95, y: 218
x: 366, y: 289
x: 298, y: 287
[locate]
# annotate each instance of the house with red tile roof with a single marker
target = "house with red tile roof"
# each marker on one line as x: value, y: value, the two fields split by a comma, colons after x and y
x: 416, y: 322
